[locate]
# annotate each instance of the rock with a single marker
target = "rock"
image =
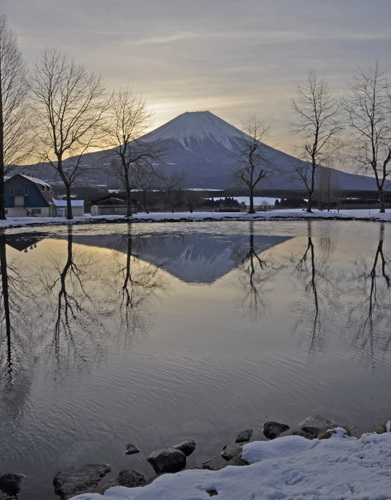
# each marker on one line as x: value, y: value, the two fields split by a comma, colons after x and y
x: 131, y: 478
x: 312, y: 425
x: 307, y: 435
x: 187, y: 447
x: 230, y: 452
x: 131, y: 449
x: 11, y: 483
x: 212, y: 492
x: 78, y: 479
x: 385, y: 426
x: 214, y: 463
x: 312, y: 432
x: 327, y: 433
x: 167, y: 460
x: 244, y: 436
x: 272, y: 430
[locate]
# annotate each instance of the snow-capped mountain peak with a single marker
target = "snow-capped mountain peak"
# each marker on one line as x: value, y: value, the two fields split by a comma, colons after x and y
x: 197, y: 126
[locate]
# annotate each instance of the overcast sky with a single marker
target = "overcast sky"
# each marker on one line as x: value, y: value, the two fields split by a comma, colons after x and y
x: 230, y: 57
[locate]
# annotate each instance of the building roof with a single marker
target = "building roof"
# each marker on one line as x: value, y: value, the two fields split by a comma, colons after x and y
x: 63, y: 203
x: 36, y: 180
x: 110, y: 200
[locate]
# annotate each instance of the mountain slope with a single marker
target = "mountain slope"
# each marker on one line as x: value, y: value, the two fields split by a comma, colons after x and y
x: 206, y: 148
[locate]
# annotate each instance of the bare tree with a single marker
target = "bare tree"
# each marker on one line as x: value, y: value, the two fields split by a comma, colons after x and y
x: 145, y: 181
x: 13, y: 93
x: 68, y: 109
x: 171, y: 183
x: 369, y: 112
x: 128, y: 120
x: 326, y: 188
x: 253, y: 163
x: 318, y: 125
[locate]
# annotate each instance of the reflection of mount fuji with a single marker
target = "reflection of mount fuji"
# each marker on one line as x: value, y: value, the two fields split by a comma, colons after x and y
x: 193, y: 258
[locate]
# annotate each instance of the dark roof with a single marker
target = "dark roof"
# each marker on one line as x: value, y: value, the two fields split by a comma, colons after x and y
x: 110, y: 200
x: 22, y: 241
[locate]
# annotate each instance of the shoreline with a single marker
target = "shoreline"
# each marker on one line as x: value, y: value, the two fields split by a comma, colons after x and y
x: 329, y: 465
x: 167, y: 217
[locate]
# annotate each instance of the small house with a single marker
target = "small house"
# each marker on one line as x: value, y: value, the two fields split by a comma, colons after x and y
x: 28, y: 196
x: 77, y: 208
x: 112, y: 205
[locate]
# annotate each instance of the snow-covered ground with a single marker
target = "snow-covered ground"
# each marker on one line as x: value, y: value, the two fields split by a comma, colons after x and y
x: 289, y: 467
x: 293, y: 214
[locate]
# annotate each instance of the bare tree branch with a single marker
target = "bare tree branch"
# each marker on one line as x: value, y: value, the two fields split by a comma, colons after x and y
x: 132, y: 157
x: 369, y: 114
x: 318, y: 125
x: 68, y: 110
x: 13, y: 105
x: 253, y: 162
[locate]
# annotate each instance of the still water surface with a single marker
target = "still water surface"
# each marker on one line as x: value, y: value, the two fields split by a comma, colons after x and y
x: 155, y: 333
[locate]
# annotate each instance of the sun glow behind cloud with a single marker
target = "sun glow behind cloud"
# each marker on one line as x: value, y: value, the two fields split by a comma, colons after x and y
x: 225, y: 56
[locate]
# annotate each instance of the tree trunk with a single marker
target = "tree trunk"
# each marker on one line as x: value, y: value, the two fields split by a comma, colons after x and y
x: 128, y: 204
x: 145, y: 201
x: 381, y: 198
x: 309, y: 203
x: 127, y: 189
x: 2, y: 209
x: 251, y: 207
x: 69, y: 202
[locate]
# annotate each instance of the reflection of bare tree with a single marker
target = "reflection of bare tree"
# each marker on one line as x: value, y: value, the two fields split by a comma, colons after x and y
x: 6, y: 307
x: 17, y: 308
x: 373, y: 274
x: 139, y: 281
x: 318, y: 282
x: 254, y: 274
x: 308, y: 265
x: 14, y: 291
x: 73, y: 305
x: 375, y: 281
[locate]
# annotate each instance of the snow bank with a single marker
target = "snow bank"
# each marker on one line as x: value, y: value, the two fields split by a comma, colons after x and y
x: 297, y: 214
x: 290, y: 467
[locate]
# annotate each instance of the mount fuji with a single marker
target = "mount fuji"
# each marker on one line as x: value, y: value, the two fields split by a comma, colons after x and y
x: 206, y: 149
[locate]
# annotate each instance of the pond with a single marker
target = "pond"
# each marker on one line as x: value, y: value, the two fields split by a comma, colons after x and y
x: 153, y: 333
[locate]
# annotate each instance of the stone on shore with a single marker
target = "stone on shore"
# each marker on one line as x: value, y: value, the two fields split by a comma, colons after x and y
x: 167, y: 460
x: 10, y: 484
x: 75, y: 479
x: 187, y: 447
x: 272, y: 430
x: 244, y: 436
x: 314, y: 425
x: 229, y: 452
x: 131, y: 449
x: 214, y: 463
x: 131, y: 478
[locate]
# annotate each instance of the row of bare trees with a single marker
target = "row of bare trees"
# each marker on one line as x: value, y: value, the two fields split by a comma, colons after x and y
x: 321, y: 120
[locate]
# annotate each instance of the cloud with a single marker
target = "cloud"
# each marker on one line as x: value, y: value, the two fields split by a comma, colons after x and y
x: 229, y: 55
